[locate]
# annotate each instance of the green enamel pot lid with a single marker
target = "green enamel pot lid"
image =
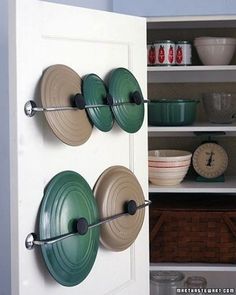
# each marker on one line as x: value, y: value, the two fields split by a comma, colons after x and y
x: 68, y: 197
x: 122, y: 84
x: 95, y: 92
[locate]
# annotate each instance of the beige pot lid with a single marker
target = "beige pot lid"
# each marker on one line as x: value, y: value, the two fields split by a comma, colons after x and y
x: 116, y: 186
x: 59, y: 84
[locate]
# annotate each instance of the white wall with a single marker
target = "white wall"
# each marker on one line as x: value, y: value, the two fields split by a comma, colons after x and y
x: 95, y: 4
x: 174, y: 7
x: 5, y: 249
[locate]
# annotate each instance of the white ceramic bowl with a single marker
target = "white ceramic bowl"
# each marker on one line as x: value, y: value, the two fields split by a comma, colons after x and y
x: 169, y: 170
x: 168, y: 164
x: 160, y: 176
x: 214, y: 41
x: 169, y: 155
x: 215, y: 50
x: 167, y: 175
x: 165, y: 182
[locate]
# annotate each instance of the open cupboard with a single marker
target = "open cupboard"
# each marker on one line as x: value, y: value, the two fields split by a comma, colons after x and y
x: 192, y: 81
x: 37, y: 35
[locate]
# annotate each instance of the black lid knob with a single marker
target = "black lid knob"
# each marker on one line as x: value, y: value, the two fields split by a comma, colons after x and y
x: 131, y: 207
x: 109, y: 98
x: 79, y: 101
x: 136, y: 97
x: 82, y: 226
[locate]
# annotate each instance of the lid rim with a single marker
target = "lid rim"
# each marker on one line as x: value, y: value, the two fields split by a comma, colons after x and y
x: 183, y: 42
x: 174, y: 277
x: 173, y: 101
x: 163, y: 41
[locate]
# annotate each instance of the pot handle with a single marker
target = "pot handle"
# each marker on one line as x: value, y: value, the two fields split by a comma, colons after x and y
x: 157, y: 227
x: 228, y: 220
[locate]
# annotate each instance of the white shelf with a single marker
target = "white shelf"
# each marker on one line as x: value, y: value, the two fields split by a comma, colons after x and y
x: 178, y: 74
x: 192, y: 186
x: 153, y: 131
x: 184, y: 22
x: 217, y: 275
x: 192, y: 267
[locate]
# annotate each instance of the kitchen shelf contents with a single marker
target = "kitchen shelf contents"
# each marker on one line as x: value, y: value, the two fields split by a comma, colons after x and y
x: 210, y: 161
x: 190, y: 228
x: 220, y: 107
x: 165, y: 282
x: 189, y: 28
x: 168, y: 167
x: 191, y: 82
x: 172, y: 112
x: 215, y: 50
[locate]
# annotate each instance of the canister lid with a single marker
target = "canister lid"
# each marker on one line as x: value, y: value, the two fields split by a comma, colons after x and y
x: 159, y: 277
x: 196, y: 282
x: 164, y: 41
x: 183, y: 42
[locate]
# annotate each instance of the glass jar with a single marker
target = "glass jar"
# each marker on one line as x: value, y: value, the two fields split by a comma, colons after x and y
x: 165, y: 282
x: 194, y: 285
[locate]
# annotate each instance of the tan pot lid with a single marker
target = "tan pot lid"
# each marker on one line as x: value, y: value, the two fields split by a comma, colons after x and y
x: 116, y: 186
x: 59, y: 84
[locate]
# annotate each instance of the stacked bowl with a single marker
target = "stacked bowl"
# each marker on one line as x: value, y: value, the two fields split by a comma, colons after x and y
x: 215, y: 50
x: 220, y: 107
x: 168, y: 167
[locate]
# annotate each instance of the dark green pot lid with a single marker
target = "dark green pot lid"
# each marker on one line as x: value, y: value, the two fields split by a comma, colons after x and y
x: 68, y: 197
x: 95, y: 92
x: 122, y: 84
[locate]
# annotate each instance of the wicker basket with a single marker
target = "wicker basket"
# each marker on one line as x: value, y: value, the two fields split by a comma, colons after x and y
x: 193, y: 234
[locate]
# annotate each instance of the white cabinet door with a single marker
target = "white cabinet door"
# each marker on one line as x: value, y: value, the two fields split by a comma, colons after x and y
x: 88, y: 41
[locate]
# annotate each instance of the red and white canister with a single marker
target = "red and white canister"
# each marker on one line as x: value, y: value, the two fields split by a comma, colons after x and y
x: 183, y: 53
x: 151, y: 55
x: 165, y: 52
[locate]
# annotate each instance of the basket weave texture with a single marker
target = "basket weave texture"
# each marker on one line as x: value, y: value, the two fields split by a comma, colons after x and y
x: 192, y: 235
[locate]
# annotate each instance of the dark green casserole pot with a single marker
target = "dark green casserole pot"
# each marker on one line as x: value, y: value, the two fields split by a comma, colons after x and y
x: 165, y: 112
